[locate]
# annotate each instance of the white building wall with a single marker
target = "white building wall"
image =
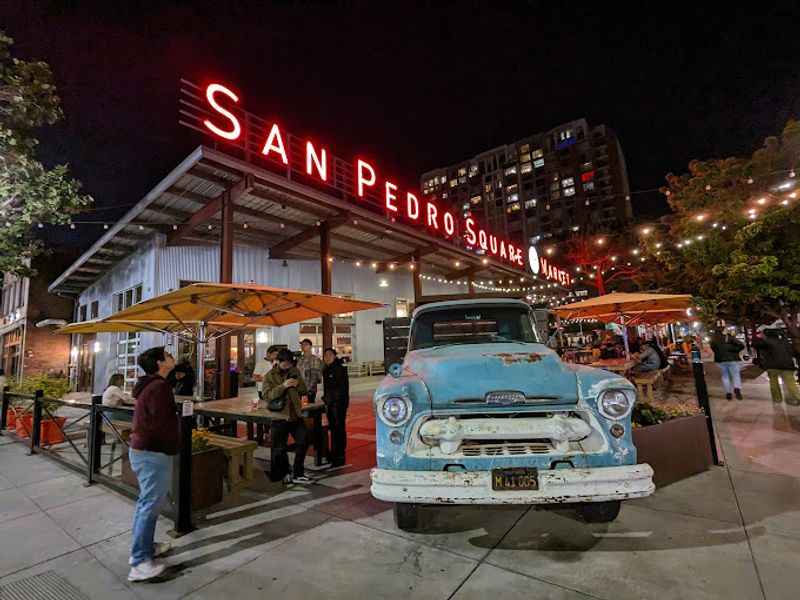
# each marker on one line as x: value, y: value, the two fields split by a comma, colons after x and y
x: 161, y: 269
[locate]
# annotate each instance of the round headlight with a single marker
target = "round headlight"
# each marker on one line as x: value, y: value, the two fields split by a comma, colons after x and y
x: 395, y: 411
x: 614, y: 404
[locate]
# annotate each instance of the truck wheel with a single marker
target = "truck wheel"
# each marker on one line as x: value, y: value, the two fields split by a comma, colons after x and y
x: 599, y: 512
x: 406, y: 516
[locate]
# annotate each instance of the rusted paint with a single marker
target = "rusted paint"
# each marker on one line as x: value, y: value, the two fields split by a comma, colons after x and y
x: 511, y: 358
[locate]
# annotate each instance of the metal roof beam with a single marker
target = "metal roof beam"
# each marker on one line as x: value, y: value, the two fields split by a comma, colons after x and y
x: 408, y: 257
x: 280, y: 249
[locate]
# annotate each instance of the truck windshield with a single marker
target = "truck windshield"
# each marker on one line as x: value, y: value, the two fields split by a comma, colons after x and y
x: 472, y: 325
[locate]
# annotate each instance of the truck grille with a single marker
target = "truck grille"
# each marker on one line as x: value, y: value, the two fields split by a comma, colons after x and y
x: 516, y: 448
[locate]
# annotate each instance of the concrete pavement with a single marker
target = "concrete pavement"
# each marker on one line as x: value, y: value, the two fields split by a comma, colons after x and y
x: 733, y: 532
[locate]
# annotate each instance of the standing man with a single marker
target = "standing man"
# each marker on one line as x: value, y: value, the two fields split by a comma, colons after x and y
x: 264, y: 366
x: 155, y: 439
x: 337, y: 399
x: 283, y: 390
x: 775, y: 356
x: 310, y: 368
x: 726, y: 350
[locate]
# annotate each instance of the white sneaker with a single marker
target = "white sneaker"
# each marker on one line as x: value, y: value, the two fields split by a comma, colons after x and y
x: 159, y: 549
x: 302, y: 480
x: 145, y: 570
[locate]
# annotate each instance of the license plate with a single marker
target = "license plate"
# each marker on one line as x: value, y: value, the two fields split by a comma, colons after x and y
x: 518, y: 478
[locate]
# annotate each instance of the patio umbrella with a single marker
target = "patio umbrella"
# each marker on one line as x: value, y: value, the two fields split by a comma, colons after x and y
x: 629, y: 309
x: 203, y: 312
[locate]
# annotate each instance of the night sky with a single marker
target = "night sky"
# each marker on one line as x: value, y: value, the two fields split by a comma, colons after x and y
x: 415, y: 87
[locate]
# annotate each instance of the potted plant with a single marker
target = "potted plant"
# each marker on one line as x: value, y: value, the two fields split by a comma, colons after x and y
x: 672, y: 437
x: 51, y: 425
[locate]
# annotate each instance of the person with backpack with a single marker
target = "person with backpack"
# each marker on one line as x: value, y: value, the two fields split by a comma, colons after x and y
x: 726, y: 350
x: 775, y: 357
x: 283, y: 391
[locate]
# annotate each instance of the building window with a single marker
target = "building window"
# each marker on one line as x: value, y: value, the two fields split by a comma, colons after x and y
x: 530, y: 203
x: 538, y: 163
x: 555, y: 195
x: 538, y: 153
x: 400, y: 308
x: 570, y: 191
x: 82, y: 313
x: 513, y: 198
x: 512, y: 188
x: 513, y: 208
x: 568, y: 182
x: 524, y: 148
x: 526, y: 168
x: 588, y: 186
x: 511, y: 170
x: 127, y: 298
x: 587, y: 166
x: 462, y: 171
x: 453, y: 183
x: 554, y: 186
x: 127, y: 349
x: 95, y: 310
x: 525, y: 158
x: 473, y: 170
x: 474, y: 200
x: 462, y: 179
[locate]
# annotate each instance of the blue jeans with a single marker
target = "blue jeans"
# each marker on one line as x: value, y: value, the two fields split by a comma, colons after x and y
x: 731, y: 375
x: 154, y: 472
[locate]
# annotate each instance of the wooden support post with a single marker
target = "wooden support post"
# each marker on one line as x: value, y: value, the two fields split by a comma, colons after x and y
x: 415, y: 275
x: 225, y: 276
x: 326, y: 269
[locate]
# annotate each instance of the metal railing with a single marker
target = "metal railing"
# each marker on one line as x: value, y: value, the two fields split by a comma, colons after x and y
x: 89, y: 462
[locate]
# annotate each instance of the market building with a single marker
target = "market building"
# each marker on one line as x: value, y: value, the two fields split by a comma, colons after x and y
x: 264, y: 206
x: 546, y: 185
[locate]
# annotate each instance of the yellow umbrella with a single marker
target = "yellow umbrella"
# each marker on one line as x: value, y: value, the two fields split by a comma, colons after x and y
x: 220, y: 308
x: 628, y: 309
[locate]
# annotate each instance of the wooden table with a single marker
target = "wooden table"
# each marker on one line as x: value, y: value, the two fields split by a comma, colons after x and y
x: 232, y: 410
x: 615, y: 365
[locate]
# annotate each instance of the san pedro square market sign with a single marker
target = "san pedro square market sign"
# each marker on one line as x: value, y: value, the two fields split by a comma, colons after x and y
x: 215, y: 109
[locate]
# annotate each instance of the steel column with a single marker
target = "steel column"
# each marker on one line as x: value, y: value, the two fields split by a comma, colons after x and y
x: 326, y: 270
x: 225, y: 276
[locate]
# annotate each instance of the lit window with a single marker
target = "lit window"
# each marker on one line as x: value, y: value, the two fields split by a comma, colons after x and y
x: 453, y: 183
x: 570, y: 191
x: 565, y: 135
x: 588, y: 186
x: 462, y: 179
x: 588, y: 176
x: 513, y: 207
x: 444, y: 194
x: 462, y: 171
x: 473, y: 170
x: 475, y: 199
x: 587, y: 166
x: 487, y: 187
x: 511, y: 170
x: 512, y: 198
x: 568, y: 182
x: 512, y: 188
x: 524, y: 158
x: 526, y: 168
x: 538, y: 153
x: 530, y: 203
x: 465, y: 206
x: 524, y: 148
x: 539, y: 163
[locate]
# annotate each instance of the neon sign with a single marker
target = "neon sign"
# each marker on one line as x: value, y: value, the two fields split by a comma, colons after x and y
x: 223, y: 118
x: 539, y: 265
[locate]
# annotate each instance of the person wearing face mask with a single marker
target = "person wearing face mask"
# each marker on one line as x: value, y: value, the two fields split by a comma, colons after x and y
x: 283, y: 391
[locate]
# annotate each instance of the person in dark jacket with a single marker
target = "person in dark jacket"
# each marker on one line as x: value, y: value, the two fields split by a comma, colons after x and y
x: 726, y: 350
x: 775, y: 356
x: 284, y: 391
x: 154, y: 440
x: 182, y: 378
x: 337, y: 400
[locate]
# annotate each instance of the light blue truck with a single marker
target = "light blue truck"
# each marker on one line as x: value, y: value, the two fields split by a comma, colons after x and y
x: 481, y: 412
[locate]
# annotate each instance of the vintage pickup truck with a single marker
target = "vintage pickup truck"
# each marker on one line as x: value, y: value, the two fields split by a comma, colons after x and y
x: 481, y: 412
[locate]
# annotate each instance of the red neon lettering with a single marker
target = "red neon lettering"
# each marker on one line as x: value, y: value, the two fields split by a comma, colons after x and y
x: 543, y: 265
x: 390, y: 196
x: 520, y: 260
x: 275, y: 144
x: 472, y: 239
x: 319, y: 162
x: 449, y: 224
x: 493, y: 244
x: 411, y: 199
x: 236, y: 129
x: 433, y: 212
x: 361, y: 168
x: 503, y: 249
x: 482, y: 240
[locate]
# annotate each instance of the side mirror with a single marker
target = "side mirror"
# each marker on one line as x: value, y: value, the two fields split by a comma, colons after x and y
x: 396, y: 370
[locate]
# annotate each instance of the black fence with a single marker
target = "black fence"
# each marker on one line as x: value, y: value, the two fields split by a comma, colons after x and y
x: 76, y: 441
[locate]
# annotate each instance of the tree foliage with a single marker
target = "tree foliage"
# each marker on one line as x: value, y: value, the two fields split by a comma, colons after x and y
x: 30, y: 193
x: 734, y: 238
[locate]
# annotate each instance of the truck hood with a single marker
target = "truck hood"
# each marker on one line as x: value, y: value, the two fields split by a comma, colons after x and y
x: 462, y: 375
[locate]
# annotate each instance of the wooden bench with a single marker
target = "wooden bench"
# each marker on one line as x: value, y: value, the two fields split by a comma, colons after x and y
x: 647, y: 382
x: 377, y: 368
x: 240, y: 455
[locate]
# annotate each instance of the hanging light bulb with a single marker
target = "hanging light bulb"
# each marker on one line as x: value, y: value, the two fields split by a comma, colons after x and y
x: 71, y: 225
x: 708, y: 187
x: 750, y: 180
x: 792, y: 174
x: 41, y: 226
x: 174, y: 228
x: 245, y: 225
x: 374, y: 265
x: 358, y: 263
x: 105, y: 225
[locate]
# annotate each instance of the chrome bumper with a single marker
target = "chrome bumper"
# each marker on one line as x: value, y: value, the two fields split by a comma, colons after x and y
x: 557, y: 486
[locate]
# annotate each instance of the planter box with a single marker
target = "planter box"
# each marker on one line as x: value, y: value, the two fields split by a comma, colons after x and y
x: 11, y: 419
x: 208, y: 469
x: 676, y: 449
x: 49, y: 431
x: 24, y: 425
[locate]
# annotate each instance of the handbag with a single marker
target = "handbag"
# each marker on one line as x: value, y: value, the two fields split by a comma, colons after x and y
x: 277, y: 404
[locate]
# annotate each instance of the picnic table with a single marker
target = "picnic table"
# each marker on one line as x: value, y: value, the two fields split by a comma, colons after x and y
x: 232, y: 410
x: 615, y: 365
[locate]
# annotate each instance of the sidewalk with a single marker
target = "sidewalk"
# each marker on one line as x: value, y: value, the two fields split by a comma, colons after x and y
x: 733, y: 532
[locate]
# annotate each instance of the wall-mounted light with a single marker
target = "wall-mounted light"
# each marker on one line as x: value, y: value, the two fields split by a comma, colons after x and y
x: 261, y: 337
x: 383, y: 283
x: 96, y: 347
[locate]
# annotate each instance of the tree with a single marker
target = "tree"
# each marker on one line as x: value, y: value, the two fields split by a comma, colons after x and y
x: 30, y: 193
x: 604, y: 260
x: 734, y: 239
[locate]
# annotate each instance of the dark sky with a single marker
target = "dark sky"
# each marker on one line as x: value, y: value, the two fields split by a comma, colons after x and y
x: 414, y: 85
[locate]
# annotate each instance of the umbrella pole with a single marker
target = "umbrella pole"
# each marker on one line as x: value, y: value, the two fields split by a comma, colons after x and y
x: 200, y: 360
x: 625, y: 337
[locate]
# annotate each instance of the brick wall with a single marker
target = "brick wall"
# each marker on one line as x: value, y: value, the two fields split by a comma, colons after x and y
x: 45, y: 351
